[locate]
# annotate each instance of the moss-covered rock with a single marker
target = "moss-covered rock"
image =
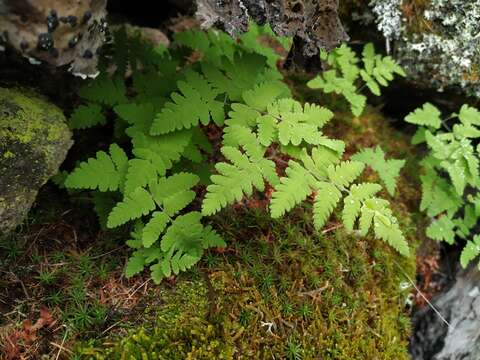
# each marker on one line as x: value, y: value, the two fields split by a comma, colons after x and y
x: 34, y: 141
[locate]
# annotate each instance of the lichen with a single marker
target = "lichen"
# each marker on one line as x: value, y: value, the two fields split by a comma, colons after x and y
x: 436, y: 41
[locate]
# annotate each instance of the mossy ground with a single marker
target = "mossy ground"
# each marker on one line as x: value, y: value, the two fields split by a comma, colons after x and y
x: 282, y: 290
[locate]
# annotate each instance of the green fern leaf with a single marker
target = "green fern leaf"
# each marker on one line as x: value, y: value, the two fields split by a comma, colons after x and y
x: 469, y: 115
x: 236, y: 179
x: 292, y: 190
x: 264, y: 94
x: 184, y: 234
x: 133, y: 206
x: 140, y: 173
x: 442, y: 229
x: 326, y: 199
x: 139, y: 115
x: 173, y: 193
x: 344, y: 173
x: 428, y: 115
x: 470, y: 251
x: 195, y: 103
x: 354, y: 201
x: 212, y: 239
x: 86, y: 116
x: 105, y: 90
x: 99, y: 173
x: 388, y: 170
x: 135, y: 264
x: 161, y: 151
x: 154, y: 228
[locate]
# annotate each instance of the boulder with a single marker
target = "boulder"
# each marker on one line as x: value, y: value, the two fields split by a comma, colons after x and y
x: 34, y: 140
x: 58, y: 32
x: 459, y: 305
x: 436, y: 41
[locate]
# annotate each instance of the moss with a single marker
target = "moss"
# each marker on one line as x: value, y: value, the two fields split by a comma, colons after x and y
x: 178, y: 330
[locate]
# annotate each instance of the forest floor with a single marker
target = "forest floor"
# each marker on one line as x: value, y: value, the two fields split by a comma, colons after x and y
x: 279, y: 290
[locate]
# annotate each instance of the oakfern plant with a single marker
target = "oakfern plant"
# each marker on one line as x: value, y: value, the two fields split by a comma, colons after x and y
x: 450, y: 179
x: 345, y: 74
x: 152, y: 176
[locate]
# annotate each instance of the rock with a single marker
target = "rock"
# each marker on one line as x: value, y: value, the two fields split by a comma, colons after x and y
x: 314, y: 23
x: 460, y: 306
x: 436, y: 41
x: 34, y: 141
x: 58, y: 32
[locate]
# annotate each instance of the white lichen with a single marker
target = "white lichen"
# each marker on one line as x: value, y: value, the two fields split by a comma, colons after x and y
x: 444, y: 56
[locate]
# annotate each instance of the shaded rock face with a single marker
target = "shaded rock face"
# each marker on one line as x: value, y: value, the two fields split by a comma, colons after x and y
x: 460, y: 306
x: 34, y: 141
x: 314, y: 22
x: 58, y: 32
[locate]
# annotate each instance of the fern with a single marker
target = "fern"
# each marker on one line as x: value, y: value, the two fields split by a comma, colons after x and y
x: 450, y: 179
x: 86, y: 116
x: 470, y: 251
x: 160, y: 115
x: 387, y: 170
x: 196, y: 103
x: 344, y: 76
x: 105, y: 172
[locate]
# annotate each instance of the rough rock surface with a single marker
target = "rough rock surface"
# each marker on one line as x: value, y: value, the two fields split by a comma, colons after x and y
x: 315, y: 23
x: 437, y: 41
x: 58, y: 32
x: 34, y: 141
x: 460, y: 306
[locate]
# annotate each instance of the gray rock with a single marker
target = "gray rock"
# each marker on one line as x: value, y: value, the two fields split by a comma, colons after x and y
x: 315, y: 23
x: 460, y: 306
x: 57, y: 32
x: 34, y: 140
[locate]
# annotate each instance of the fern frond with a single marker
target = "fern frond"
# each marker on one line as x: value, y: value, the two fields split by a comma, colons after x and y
x: 354, y: 201
x: 174, y: 193
x: 133, y: 206
x: 161, y: 151
x: 87, y: 116
x: 264, y: 94
x: 154, y: 228
x: 388, y: 170
x: 101, y: 172
x: 140, y: 173
x: 469, y: 115
x: 105, y: 90
x: 195, y: 103
x: 442, y: 229
x: 344, y: 173
x: 292, y: 189
x: 138, y: 115
x: 135, y: 264
x: 470, y: 251
x: 326, y: 199
x: 428, y: 115
x: 235, y: 179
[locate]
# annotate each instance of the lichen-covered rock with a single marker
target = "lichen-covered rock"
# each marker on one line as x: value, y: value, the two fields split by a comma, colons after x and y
x: 34, y: 141
x: 436, y: 41
x: 58, y: 32
x: 316, y: 23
